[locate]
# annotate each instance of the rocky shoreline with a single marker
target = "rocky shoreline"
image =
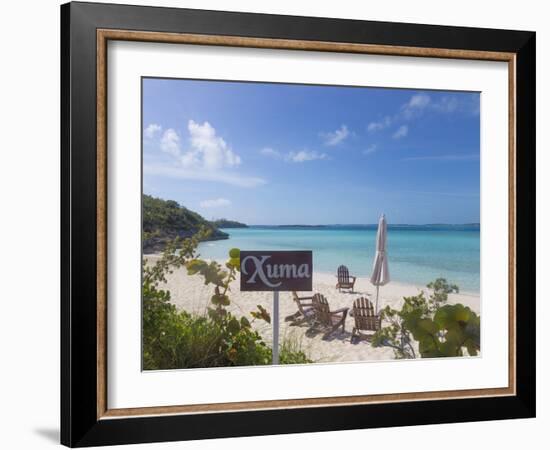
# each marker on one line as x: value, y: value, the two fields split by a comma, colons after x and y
x: 156, y: 244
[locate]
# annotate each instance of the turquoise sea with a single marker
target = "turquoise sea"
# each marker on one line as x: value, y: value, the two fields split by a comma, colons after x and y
x: 417, y: 254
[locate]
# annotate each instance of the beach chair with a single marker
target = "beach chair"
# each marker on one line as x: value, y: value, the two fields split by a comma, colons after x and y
x: 305, y: 311
x: 365, y: 319
x: 345, y: 280
x: 332, y: 320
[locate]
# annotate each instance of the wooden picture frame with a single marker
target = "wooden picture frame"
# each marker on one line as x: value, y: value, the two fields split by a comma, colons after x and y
x: 85, y: 416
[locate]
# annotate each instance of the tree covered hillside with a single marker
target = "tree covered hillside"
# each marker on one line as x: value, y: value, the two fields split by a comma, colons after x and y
x: 164, y: 220
x: 225, y: 223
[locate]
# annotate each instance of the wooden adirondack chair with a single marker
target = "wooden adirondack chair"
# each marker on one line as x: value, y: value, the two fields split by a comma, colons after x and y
x: 327, y: 318
x: 365, y: 319
x: 305, y: 311
x: 345, y: 280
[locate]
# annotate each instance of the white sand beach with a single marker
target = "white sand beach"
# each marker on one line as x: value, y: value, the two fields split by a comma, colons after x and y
x: 190, y: 293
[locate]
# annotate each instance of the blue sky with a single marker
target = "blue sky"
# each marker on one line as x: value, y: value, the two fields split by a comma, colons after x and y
x: 296, y: 154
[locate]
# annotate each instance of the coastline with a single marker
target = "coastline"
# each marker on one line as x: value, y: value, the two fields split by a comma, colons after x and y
x: 401, y: 285
x: 417, y: 255
x: 191, y: 294
x: 156, y: 244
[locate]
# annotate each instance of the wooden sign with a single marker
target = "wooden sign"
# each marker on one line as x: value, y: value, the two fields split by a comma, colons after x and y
x: 276, y: 270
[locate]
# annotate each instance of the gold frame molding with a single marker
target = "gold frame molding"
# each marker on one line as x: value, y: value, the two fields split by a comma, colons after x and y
x: 104, y: 35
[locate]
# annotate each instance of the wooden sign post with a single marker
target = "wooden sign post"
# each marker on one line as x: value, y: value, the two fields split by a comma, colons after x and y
x: 276, y: 271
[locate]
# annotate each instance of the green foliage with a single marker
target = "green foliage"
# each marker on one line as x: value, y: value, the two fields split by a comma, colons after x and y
x: 168, y: 215
x: 291, y: 352
x: 440, y: 330
x: 261, y: 314
x: 177, y: 339
x: 440, y: 291
x: 167, y: 334
x: 452, y: 328
x: 164, y: 220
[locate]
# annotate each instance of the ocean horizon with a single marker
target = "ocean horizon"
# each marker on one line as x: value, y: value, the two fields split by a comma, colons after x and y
x: 417, y: 254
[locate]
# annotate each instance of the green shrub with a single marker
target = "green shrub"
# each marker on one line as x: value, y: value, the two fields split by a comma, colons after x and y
x: 440, y: 330
x: 177, y: 339
x: 291, y: 352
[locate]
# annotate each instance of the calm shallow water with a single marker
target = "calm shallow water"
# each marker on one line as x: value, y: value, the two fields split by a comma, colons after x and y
x: 417, y: 254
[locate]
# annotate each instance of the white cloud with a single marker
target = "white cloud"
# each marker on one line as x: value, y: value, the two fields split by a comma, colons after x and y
x: 268, y: 151
x: 419, y: 101
x: 380, y: 125
x: 418, y: 104
x: 370, y: 149
x: 293, y: 157
x: 447, y: 104
x: 151, y: 130
x: 207, y: 157
x: 336, y: 137
x: 304, y: 155
x: 401, y: 132
x: 170, y: 143
x: 215, y: 203
x: 415, y: 106
x: 208, y: 149
x: 232, y: 178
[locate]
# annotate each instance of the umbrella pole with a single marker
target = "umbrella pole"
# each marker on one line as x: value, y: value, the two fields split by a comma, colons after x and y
x: 376, y: 309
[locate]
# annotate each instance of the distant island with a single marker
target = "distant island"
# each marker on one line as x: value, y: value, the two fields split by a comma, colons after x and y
x: 471, y: 224
x: 225, y: 223
x: 164, y: 220
x: 370, y: 226
x: 301, y: 226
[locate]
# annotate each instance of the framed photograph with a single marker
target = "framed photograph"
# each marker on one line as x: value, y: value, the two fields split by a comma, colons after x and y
x: 276, y: 224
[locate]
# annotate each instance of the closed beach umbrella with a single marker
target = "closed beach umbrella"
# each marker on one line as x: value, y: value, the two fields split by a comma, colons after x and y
x: 380, y: 272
